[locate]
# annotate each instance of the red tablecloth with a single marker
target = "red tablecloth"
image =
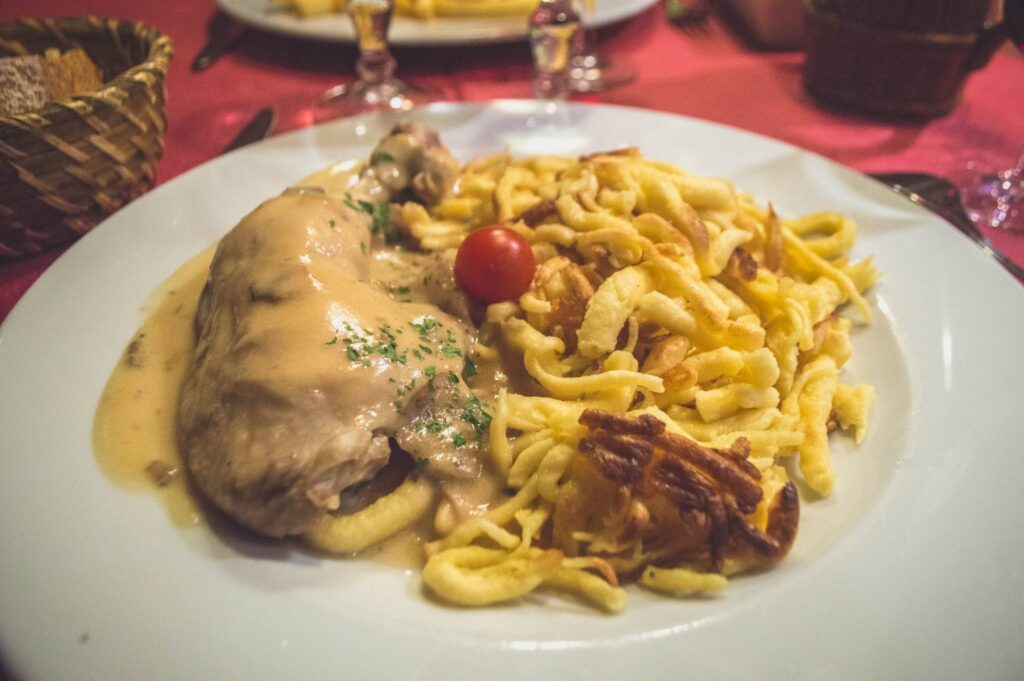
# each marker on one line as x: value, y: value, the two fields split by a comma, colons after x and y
x: 709, y: 73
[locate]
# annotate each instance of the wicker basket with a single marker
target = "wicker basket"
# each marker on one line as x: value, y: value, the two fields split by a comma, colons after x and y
x: 65, y: 167
x: 858, y: 64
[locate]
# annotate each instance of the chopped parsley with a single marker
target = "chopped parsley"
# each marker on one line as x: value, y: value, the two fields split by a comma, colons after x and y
x: 403, y: 290
x: 332, y: 223
x: 468, y: 367
x: 430, y: 370
x: 361, y: 345
x: 458, y: 439
x: 382, y: 157
x: 453, y: 377
x: 380, y: 217
x: 424, y: 326
x: 476, y: 416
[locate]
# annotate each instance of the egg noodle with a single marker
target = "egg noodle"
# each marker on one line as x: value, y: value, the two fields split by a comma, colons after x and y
x: 683, y: 342
x: 420, y: 9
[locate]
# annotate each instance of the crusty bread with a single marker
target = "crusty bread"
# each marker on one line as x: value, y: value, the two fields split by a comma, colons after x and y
x: 29, y: 82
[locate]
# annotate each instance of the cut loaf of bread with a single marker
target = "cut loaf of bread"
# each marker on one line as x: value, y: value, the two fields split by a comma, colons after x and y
x: 29, y: 82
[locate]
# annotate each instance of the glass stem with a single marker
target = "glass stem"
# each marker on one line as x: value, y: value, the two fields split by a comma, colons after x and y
x: 371, y: 20
x: 554, y: 25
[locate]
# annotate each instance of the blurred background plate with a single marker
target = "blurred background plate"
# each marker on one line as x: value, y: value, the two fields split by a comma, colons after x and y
x: 408, y: 31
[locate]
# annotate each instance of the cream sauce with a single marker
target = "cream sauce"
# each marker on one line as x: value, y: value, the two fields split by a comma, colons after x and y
x: 134, y: 428
x: 134, y: 432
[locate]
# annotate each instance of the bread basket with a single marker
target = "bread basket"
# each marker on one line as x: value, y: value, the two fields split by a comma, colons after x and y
x: 66, y: 166
x: 896, y: 57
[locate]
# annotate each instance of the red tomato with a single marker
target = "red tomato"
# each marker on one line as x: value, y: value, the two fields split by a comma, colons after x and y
x: 494, y: 264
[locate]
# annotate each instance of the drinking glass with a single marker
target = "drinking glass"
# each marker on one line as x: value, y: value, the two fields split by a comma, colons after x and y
x: 589, y: 70
x: 377, y: 88
x: 553, y: 27
x: 996, y: 200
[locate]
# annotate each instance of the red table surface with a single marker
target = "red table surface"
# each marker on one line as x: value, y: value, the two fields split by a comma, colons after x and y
x: 710, y: 73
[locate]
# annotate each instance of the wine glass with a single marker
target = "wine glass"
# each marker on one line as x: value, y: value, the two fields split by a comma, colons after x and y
x: 553, y: 26
x: 589, y: 70
x: 377, y: 88
x: 996, y: 200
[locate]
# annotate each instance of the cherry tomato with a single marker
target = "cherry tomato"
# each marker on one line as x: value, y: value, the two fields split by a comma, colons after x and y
x: 494, y: 264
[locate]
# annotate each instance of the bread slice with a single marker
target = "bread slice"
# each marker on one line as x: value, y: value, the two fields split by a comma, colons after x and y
x: 29, y: 82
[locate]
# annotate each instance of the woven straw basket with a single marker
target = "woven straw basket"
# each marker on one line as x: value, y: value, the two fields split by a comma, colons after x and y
x: 66, y: 166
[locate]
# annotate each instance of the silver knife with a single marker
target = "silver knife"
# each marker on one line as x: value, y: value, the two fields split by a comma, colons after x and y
x: 260, y: 126
x: 222, y: 33
x: 955, y: 217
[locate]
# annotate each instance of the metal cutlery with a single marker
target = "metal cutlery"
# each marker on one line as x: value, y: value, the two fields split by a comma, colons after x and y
x: 939, y: 196
x: 258, y: 127
x: 222, y: 33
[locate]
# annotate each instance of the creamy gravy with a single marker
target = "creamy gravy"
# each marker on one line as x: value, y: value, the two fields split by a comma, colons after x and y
x: 134, y: 432
x: 134, y: 435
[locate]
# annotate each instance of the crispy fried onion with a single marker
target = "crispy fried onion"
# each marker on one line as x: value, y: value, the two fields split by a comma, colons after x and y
x: 712, y: 491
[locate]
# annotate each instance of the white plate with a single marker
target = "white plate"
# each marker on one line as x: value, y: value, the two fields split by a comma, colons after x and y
x: 409, y: 31
x: 911, y: 570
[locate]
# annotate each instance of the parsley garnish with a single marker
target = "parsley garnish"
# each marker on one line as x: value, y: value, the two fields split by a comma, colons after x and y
x: 382, y: 157
x: 380, y: 216
x: 475, y: 415
x: 468, y: 367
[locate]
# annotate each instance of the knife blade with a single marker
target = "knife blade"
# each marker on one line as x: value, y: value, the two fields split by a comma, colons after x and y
x: 221, y: 33
x: 258, y: 127
x: 954, y: 215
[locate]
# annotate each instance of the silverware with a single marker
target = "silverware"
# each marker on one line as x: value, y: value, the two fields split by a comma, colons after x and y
x: 939, y: 196
x: 258, y: 127
x: 221, y: 33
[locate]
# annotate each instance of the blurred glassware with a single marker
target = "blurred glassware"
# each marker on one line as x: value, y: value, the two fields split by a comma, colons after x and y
x: 996, y: 200
x: 377, y: 88
x: 589, y: 70
x: 553, y: 27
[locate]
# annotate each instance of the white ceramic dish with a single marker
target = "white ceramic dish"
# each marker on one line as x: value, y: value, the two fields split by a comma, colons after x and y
x: 910, y: 571
x: 407, y: 31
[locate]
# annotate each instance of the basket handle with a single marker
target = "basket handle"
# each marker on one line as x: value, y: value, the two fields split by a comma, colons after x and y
x: 990, y: 38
